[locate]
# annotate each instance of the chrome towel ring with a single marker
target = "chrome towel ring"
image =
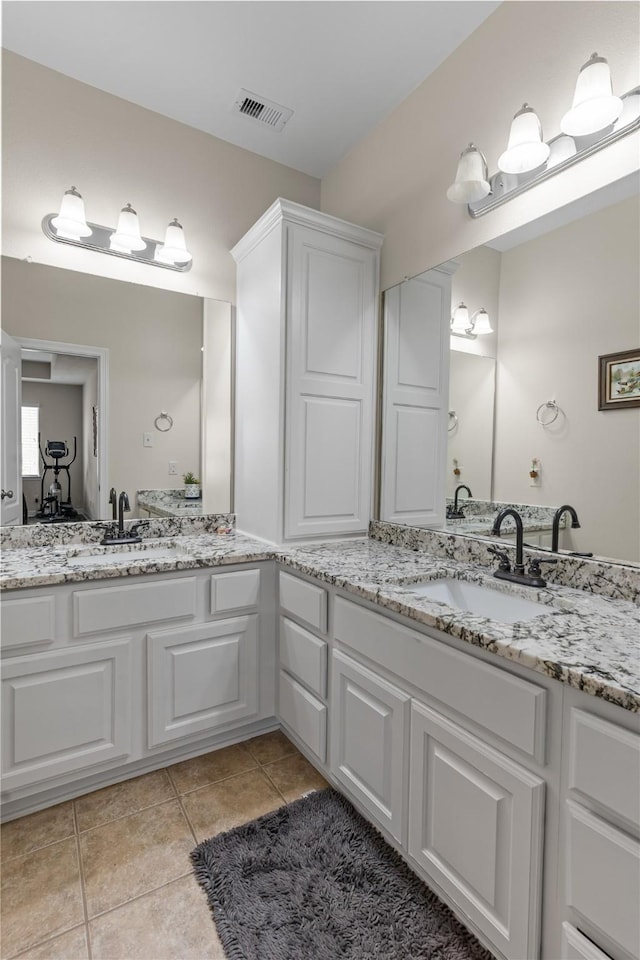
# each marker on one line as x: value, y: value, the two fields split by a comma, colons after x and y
x: 551, y: 417
x: 163, y: 418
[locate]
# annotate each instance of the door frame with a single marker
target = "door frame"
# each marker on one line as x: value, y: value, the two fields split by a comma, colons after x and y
x: 101, y: 355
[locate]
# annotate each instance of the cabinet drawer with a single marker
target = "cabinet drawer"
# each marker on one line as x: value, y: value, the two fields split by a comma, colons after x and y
x: 305, y: 715
x: 575, y: 946
x: 235, y: 591
x: 604, y: 764
x: 303, y: 655
x: 603, y: 877
x: 304, y: 600
x: 511, y: 708
x: 27, y: 620
x: 109, y: 608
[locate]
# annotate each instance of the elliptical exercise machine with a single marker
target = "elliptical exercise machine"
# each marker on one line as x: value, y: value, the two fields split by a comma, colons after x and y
x: 53, y: 509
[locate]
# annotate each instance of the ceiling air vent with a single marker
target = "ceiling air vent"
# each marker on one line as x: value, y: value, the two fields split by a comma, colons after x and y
x: 265, y: 111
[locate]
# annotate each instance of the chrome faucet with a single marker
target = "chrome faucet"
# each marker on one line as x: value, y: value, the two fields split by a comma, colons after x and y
x: 530, y: 578
x: 455, y: 512
x: 555, y: 527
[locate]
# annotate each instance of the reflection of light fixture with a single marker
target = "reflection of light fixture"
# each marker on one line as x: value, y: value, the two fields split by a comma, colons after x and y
x: 463, y: 325
x: 126, y: 236
x: 526, y: 150
x: 596, y: 118
x: 594, y: 106
x: 472, y: 177
x: 70, y: 226
x: 174, y: 250
x: 71, y: 223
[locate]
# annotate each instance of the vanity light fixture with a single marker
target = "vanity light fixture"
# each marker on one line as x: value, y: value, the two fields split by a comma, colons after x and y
x: 70, y: 226
x: 472, y: 177
x: 470, y: 327
x: 597, y: 118
x: 594, y: 106
x: 526, y: 150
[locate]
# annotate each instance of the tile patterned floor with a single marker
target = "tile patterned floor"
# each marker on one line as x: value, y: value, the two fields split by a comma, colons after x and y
x: 107, y: 876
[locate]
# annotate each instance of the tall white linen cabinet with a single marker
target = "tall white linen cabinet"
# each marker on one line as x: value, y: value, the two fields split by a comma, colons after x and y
x: 307, y: 294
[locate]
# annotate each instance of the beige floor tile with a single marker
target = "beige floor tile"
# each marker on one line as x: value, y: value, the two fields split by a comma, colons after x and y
x: 22, y: 836
x: 121, y: 799
x: 211, y: 767
x: 221, y: 806
x: 270, y: 747
x: 70, y: 946
x: 294, y: 776
x: 128, y: 857
x: 41, y: 896
x: 173, y: 923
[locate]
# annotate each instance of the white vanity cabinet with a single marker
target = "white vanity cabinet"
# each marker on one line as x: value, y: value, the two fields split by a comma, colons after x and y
x: 600, y: 830
x: 126, y: 674
x: 307, y: 288
x: 423, y: 731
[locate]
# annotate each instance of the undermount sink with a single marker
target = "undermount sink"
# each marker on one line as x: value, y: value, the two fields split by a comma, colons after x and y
x: 480, y: 600
x: 108, y: 559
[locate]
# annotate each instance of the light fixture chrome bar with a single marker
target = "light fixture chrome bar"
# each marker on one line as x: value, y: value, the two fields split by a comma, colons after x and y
x: 501, y: 192
x: 99, y: 241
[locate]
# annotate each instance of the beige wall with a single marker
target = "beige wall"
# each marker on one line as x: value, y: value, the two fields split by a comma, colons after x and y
x: 58, y: 132
x: 154, y: 338
x: 395, y: 179
x: 565, y: 299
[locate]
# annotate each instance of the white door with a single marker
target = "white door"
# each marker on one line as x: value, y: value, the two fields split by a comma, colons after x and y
x: 368, y: 728
x: 64, y: 711
x: 475, y: 827
x: 10, y: 418
x: 331, y: 317
x: 201, y: 677
x: 415, y: 401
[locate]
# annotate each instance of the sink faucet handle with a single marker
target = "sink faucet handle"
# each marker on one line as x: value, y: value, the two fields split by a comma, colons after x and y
x: 534, y: 566
x: 505, y: 563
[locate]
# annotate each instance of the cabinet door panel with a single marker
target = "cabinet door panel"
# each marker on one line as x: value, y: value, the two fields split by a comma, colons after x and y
x: 331, y: 326
x: 603, y: 877
x: 475, y: 827
x: 368, y: 728
x: 64, y: 711
x: 416, y: 392
x: 201, y: 677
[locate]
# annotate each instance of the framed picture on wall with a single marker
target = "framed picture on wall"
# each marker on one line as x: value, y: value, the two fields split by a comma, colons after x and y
x: 619, y: 380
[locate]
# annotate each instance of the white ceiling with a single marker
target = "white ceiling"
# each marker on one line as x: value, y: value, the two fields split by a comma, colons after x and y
x: 341, y: 65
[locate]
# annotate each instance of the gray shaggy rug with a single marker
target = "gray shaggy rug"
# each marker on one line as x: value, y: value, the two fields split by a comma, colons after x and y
x: 314, y: 881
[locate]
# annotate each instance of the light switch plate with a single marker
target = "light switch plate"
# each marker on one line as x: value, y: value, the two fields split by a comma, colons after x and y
x: 147, y: 439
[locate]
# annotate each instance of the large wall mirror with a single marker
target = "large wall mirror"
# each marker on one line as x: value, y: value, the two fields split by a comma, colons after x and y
x: 560, y: 294
x: 151, y: 344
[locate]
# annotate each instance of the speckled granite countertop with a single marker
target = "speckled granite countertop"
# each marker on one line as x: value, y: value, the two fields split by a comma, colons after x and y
x: 169, y: 503
x: 588, y: 640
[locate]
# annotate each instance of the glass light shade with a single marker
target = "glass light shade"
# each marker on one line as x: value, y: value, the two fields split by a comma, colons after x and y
x: 460, y: 322
x: 472, y: 177
x: 561, y: 149
x: 594, y: 106
x: 71, y: 222
x: 174, y: 250
x: 481, y: 323
x: 630, y: 111
x: 127, y: 234
x: 526, y: 149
